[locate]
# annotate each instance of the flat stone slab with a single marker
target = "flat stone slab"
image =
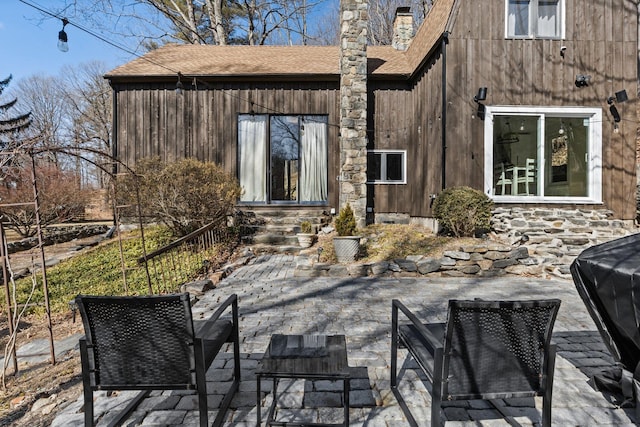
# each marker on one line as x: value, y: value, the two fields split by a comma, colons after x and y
x: 39, y: 350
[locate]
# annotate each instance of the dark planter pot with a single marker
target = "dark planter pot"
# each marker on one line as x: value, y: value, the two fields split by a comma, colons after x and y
x: 346, y: 248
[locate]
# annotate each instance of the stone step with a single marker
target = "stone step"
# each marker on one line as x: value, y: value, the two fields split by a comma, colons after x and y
x: 295, y: 222
x: 261, y: 249
x: 286, y: 210
x: 283, y: 229
x: 278, y: 226
x: 287, y: 216
x: 273, y: 239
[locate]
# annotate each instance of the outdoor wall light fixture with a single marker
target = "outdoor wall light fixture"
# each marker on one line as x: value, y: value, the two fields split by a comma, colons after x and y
x: 179, y: 85
x: 614, y: 113
x: 63, y: 46
x: 481, y: 96
x: 620, y: 96
x: 582, y: 80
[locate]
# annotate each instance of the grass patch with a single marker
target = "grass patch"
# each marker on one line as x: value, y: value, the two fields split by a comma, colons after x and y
x: 98, y: 272
x: 386, y: 242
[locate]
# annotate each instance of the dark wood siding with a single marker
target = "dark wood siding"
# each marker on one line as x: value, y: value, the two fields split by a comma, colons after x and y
x: 408, y: 117
x: 156, y: 121
x: 601, y: 41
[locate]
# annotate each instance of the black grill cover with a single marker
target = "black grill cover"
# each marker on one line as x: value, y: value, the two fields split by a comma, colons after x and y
x: 607, y: 277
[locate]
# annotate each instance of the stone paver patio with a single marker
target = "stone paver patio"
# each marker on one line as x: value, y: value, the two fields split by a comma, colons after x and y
x: 272, y: 301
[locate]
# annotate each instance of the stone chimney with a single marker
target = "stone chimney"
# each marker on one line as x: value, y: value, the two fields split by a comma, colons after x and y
x: 403, y: 31
x: 353, y: 107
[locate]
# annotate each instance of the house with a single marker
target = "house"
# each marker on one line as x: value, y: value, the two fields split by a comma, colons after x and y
x: 531, y: 101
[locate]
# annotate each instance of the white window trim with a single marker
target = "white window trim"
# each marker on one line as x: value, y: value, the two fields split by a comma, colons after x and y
x: 404, y: 166
x: 563, y: 24
x: 594, y: 115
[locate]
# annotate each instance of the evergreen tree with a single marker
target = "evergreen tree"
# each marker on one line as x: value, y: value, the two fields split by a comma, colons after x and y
x: 11, y: 125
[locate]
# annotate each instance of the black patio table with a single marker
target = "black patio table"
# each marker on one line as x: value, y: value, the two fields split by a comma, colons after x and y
x: 607, y: 277
x: 313, y: 357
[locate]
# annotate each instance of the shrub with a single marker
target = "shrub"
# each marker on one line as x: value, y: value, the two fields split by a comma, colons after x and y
x: 59, y: 194
x: 463, y: 211
x: 345, y: 222
x: 184, y: 195
x: 305, y: 227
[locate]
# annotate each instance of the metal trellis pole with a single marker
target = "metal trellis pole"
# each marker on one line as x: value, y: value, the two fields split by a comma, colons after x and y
x: 144, y: 243
x: 42, y: 258
x: 7, y: 294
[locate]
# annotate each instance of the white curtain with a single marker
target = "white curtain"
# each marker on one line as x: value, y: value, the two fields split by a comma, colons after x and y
x: 252, y: 151
x: 313, y: 155
x: 518, y: 19
x: 548, y: 18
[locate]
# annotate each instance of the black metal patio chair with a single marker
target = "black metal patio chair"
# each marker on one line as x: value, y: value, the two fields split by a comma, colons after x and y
x: 150, y: 343
x: 485, y: 350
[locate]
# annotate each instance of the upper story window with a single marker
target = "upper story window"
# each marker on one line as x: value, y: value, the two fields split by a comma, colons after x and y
x: 535, y: 19
x: 387, y: 166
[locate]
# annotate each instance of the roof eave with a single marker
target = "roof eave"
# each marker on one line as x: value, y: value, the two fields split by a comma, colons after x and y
x: 390, y: 76
x: 164, y: 78
x: 434, y: 49
x: 131, y: 78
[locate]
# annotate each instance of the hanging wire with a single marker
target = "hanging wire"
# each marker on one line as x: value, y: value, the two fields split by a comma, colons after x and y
x: 196, y: 81
x: 96, y: 35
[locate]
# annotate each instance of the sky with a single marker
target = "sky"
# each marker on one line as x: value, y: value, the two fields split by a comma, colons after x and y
x: 28, y: 42
x: 29, y: 38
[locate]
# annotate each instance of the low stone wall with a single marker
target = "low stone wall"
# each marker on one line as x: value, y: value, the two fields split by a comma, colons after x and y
x: 534, y: 242
x: 53, y: 235
x: 488, y: 260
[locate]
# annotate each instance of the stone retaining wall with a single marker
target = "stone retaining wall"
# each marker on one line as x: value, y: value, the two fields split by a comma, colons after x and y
x: 535, y: 242
x: 53, y: 235
x: 576, y: 228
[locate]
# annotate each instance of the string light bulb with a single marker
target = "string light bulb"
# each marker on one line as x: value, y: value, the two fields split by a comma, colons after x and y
x: 63, y: 46
x: 179, y: 85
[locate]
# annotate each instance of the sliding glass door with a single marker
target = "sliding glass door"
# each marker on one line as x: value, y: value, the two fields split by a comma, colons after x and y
x: 283, y: 158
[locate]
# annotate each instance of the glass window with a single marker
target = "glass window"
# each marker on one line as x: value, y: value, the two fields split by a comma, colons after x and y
x: 283, y: 158
x: 534, y: 18
x: 285, y: 147
x: 386, y: 166
x: 566, y: 154
x: 543, y: 154
x: 518, y: 18
x: 548, y: 15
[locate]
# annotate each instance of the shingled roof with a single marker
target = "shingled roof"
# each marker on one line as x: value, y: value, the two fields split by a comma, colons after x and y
x: 208, y: 60
x: 285, y: 61
x: 437, y: 22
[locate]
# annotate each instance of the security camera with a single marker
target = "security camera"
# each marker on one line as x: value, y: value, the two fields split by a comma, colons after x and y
x: 562, y: 50
x: 582, y: 80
